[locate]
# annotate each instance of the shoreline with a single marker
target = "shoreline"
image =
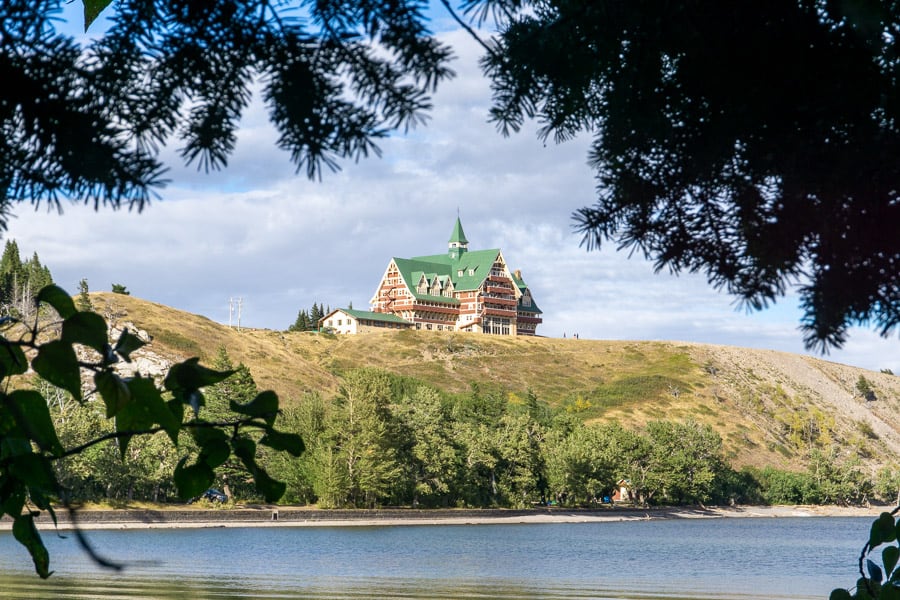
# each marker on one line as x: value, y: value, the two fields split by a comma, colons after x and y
x: 287, y: 516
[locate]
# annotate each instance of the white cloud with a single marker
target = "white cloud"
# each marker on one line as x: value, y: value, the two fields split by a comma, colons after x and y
x: 261, y: 232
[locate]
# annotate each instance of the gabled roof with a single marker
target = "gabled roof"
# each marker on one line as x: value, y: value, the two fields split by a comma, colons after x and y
x: 412, y: 270
x: 520, y: 283
x: 479, y: 261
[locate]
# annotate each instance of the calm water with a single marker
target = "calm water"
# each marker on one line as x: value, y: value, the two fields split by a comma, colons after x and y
x: 741, y: 559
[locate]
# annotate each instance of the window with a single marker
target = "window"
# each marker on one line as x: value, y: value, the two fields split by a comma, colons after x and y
x: 418, y: 326
x: 340, y: 322
x: 459, y: 273
x: 428, y: 326
x: 471, y: 272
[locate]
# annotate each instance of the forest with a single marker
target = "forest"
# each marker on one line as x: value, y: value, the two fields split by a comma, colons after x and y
x: 390, y: 440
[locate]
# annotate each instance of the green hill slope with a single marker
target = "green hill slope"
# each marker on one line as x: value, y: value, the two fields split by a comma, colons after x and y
x: 769, y: 407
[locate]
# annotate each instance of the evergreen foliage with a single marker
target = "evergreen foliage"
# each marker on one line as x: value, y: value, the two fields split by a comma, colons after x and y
x: 118, y: 288
x: 308, y: 320
x: 20, y: 281
x: 88, y: 122
x: 753, y: 142
x: 83, y: 303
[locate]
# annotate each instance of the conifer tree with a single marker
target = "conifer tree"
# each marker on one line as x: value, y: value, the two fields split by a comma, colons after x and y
x: 302, y: 322
x: 20, y: 281
x: 10, y: 273
x: 38, y: 275
x: 84, y: 301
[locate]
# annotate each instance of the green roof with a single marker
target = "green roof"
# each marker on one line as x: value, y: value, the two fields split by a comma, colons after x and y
x: 373, y: 316
x: 465, y: 270
x: 479, y: 262
x: 412, y: 270
x: 458, y: 236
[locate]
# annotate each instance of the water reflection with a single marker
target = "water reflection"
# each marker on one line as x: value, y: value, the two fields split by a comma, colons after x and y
x: 738, y: 559
x: 24, y: 587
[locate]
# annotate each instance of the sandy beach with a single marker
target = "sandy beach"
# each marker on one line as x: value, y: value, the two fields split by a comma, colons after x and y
x: 282, y: 516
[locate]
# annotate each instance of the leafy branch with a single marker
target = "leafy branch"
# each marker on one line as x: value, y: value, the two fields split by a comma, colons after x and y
x: 29, y: 443
x: 877, y: 582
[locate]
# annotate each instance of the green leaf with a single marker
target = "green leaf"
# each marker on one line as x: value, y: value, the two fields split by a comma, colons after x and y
x: 177, y: 409
x: 284, y: 442
x: 889, y: 592
x: 145, y: 394
x: 86, y: 328
x: 882, y: 530
x: 206, y: 435
x: 272, y: 490
x: 27, y: 534
x: 113, y: 390
x: 56, y: 362
x: 30, y: 410
x: 889, y: 557
x: 14, y: 445
x: 840, y: 595
x: 13, y: 499
x: 35, y: 472
x: 92, y: 10
x: 189, y: 376
x: 875, y: 573
x: 145, y: 410
x: 264, y: 406
x: 127, y: 344
x: 214, y: 453
x: 862, y: 590
x: 59, y: 299
x: 192, y: 480
x: 12, y: 359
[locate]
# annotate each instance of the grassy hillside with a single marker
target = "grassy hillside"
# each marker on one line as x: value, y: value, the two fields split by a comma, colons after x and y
x: 769, y: 407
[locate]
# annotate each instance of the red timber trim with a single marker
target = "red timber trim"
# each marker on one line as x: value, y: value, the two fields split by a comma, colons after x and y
x: 499, y: 312
x: 522, y: 318
x: 495, y: 300
x: 420, y: 307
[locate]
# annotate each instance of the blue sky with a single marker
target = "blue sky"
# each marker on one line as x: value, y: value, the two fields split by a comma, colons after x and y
x: 279, y: 241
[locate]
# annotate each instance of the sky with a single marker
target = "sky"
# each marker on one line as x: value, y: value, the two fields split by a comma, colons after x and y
x: 260, y: 232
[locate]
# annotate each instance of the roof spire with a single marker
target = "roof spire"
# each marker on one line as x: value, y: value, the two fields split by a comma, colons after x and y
x: 458, y: 236
x: 458, y: 242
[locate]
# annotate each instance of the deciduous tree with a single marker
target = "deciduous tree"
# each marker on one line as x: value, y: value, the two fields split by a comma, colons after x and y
x: 58, y: 351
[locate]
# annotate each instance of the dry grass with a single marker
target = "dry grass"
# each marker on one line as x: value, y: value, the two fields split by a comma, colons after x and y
x: 741, y: 393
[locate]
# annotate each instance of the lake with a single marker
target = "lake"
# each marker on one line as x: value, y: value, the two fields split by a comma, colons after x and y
x: 739, y: 559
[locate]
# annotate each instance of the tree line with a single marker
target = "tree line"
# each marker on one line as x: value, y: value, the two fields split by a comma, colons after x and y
x: 20, y: 281
x: 308, y: 320
x: 391, y: 440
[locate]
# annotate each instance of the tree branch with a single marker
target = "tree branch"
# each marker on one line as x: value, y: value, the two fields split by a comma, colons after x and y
x: 468, y: 29
x: 131, y: 433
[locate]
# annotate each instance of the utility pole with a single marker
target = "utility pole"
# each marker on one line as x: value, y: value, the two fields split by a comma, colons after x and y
x: 235, y: 304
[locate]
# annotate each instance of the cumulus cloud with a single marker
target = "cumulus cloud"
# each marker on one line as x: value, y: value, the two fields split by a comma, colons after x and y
x: 259, y: 231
